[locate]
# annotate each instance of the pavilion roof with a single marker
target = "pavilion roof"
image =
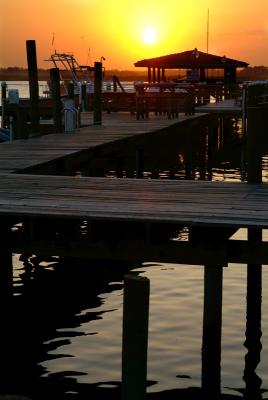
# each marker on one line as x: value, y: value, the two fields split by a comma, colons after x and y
x: 191, y: 59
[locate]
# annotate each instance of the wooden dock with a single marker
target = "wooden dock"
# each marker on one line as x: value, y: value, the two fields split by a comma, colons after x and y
x: 229, y: 106
x: 27, y: 154
x: 45, y: 213
x: 155, y: 205
x: 121, y: 206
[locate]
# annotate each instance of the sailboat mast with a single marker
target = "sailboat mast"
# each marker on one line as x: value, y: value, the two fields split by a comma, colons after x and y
x: 207, y: 29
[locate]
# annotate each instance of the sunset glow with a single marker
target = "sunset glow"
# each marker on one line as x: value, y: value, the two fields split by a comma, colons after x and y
x: 125, y: 31
x: 149, y: 35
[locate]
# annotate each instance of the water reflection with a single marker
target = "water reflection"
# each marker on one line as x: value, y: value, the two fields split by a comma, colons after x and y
x: 53, y: 307
x: 48, y: 312
x: 253, y: 333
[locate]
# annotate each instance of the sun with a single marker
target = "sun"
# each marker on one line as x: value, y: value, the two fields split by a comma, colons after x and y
x: 149, y: 35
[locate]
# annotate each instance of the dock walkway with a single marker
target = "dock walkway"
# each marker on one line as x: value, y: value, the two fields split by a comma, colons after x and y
x: 149, y: 200
x: 25, y: 154
x: 229, y: 106
x: 27, y: 198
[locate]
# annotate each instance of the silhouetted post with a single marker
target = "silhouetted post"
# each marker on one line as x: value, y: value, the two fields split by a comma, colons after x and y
x: 3, y: 102
x: 97, y: 115
x: 84, y: 97
x: 212, y: 320
x: 119, y: 168
x: 149, y: 75
x: 56, y: 99
x: 33, y: 86
x: 154, y: 76
x: 202, y: 155
x: 114, y: 84
x: 6, y: 313
x: 71, y: 91
x: 6, y: 283
x: 139, y: 163
x: 189, y: 148
x: 158, y: 75
x: 254, y: 127
x: 135, y: 337
x: 253, y: 327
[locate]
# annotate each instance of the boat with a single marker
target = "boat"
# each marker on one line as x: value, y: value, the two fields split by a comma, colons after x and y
x: 72, y: 72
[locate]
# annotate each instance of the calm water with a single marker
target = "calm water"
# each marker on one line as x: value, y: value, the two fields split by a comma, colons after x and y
x: 67, y: 323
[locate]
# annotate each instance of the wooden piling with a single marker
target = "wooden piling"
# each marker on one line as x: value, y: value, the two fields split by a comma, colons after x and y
x: 6, y: 282
x: 56, y: 99
x: 71, y: 91
x: 253, y: 134
x: 33, y: 86
x: 97, y: 114
x: 135, y: 337
x: 139, y: 163
x: 253, y: 326
x: 212, y: 321
x: 3, y: 102
x: 84, y: 101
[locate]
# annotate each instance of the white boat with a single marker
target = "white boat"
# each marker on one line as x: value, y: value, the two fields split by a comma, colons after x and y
x: 72, y: 72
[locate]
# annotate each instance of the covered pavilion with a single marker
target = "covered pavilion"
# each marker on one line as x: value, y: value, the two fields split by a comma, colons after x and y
x: 199, y: 66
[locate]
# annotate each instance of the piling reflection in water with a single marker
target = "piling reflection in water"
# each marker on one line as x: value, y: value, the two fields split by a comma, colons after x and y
x: 49, y: 312
x: 253, y: 327
x: 212, y: 322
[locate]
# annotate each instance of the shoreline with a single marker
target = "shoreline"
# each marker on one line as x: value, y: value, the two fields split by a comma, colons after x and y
x: 21, y: 74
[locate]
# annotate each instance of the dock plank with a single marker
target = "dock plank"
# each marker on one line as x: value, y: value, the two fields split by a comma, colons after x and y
x: 177, y: 202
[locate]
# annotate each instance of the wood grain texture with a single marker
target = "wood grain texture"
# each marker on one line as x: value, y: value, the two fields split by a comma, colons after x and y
x: 179, y: 202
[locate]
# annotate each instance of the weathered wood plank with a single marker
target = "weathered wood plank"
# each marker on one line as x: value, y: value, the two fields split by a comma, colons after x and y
x: 177, y: 202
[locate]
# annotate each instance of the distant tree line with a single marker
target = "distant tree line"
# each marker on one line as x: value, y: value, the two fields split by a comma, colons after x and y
x: 253, y: 73
x: 21, y: 74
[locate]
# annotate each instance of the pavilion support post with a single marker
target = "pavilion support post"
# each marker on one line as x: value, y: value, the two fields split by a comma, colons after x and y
x: 33, y: 86
x: 163, y: 77
x: 149, y: 75
x: 158, y: 75
x: 253, y: 326
x: 135, y: 337
x: 97, y: 113
x: 154, y: 75
x: 212, y: 322
x: 56, y: 99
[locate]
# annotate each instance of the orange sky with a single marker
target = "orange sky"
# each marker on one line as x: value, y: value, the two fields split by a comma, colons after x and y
x: 114, y: 29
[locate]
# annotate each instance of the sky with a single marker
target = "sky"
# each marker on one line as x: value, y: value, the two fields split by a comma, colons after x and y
x: 125, y: 31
